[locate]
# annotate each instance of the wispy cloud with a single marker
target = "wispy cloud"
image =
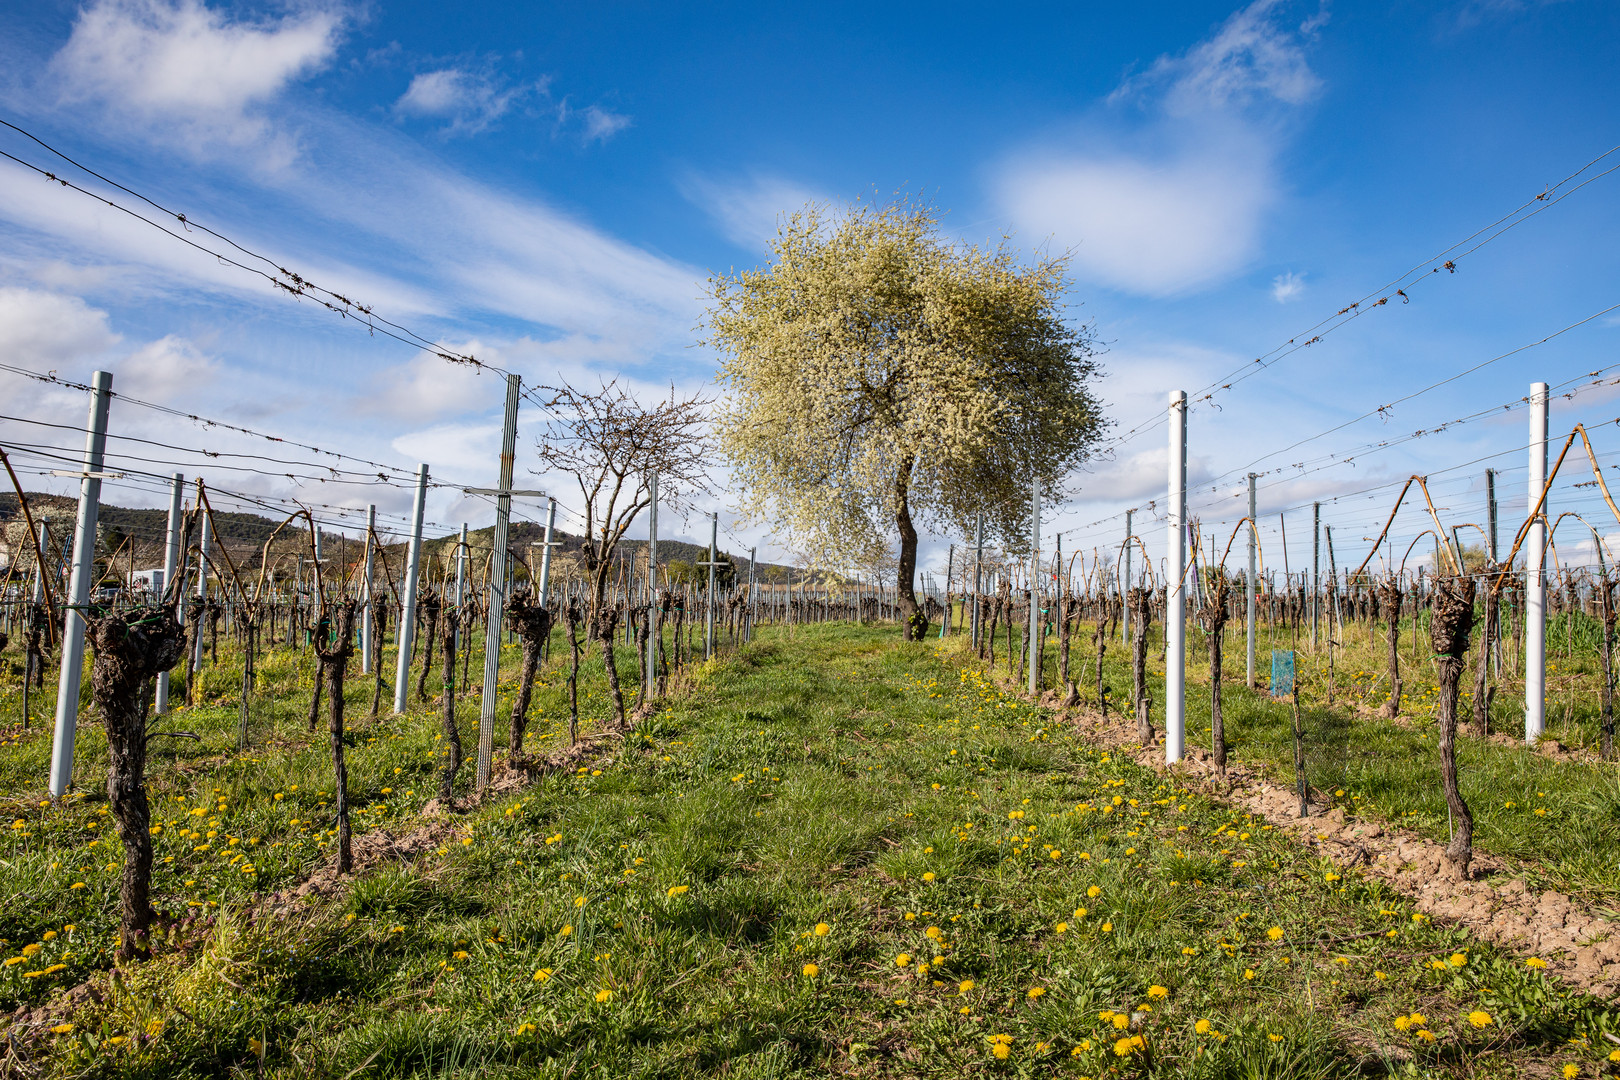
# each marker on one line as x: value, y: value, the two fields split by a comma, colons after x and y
x: 751, y: 208
x: 471, y: 101
x: 602, y: 124
x: 1286, y: 287
x: 1178, y: 200
x: 204, y: 75
x: 1252, y: 57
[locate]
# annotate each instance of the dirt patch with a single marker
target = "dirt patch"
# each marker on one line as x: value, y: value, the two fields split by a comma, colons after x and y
x: 1580, y: 946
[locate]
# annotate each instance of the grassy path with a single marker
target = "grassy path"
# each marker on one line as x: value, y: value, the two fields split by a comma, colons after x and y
x: 838, y: 856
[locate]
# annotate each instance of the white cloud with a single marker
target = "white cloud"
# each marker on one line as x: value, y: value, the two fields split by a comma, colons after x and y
x: 167, y: 371
x: 1188, y: 211
x: 42, y: 330
x: 1150, y: 227
x: 602, y: 124
x: 180, y: 60
x: 749, y: 209
x: 1252, y: 57
x: 1286, y: 287
x: 471, y: 101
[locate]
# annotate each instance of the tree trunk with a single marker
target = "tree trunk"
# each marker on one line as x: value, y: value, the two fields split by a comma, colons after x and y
x: 1606, y: 592
x: 428, y: 612
x: 532, y: 624
x: 1484, y: 693
x: 1141, y: 604
x: 452, y: 734
x: 572, y: 613
x: 606, y: 624
x: 1451, y: 617
x: 1099, y: 636
x: 1217, y: 595
x: 334, y: 644
x: 913, y: 618
x: 130, y: 648
x: 1389, y: 597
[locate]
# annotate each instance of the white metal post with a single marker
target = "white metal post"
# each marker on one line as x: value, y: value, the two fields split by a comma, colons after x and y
x: 84, y: 565
x: 1175, y: 605
x: 407, y: 613
x: 651, y: 663
x: 171, y: 562
x: 1034, y: 647
x: 714, y: 542
x: 1316, y: 565
x: 545, y: 555
x: 1535, y: 580
x: 753, y: 597
x: 461, y: 585
x: 1248, y: 582
x: 974, y: 630
x: 366, y: 625
x: 1125, y: 617
x: 497, y: 587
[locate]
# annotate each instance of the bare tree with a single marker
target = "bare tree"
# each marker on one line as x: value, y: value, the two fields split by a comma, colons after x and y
x: 612, y: 445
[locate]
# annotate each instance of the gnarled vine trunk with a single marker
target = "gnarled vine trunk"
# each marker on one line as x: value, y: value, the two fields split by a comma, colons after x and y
x: 1141, y: 602
x: 1389, y: 598
x: 1217, y: 596
x: 1451, y: 617
x: 131, y: 648
x: 531, y: 622
x: 334, y: 644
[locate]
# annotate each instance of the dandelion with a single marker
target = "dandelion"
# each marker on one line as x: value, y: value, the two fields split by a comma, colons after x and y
x: 1571, y: 1072
x: 1202, y: 1027
x: 1479, y: 1018
x: 965, y: 986
x: 542, y: 975
x: 1189, y: 951
x: 810, y: 971
x: 929, y: 876
x: 61, y: 1029
x: 1120, y: 1020
x: 1057, y: 854
x: 579, y: 901
x: 1402, y: 1023
x: 1001, y: 1050
x: 1094, y: 892
x: 525, y: 1029
x: 1535, y: 963
x: 822, y: 929
x: 1108, y: 928
x: 1062, y: 928
x: 1157, y: 992
x: 902, y: 960
x: 566, y: 930
x: 1426, y: 1035
x: 1035, y: 992
x: 604, y: 996
x: 1457, y: 960
x: 1275, y: 933
x: 674, y: 890
x: 1273, y: 1037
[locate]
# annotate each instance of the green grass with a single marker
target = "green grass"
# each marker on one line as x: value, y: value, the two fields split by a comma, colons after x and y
x: 1557, y: 821
x: 830, y: 777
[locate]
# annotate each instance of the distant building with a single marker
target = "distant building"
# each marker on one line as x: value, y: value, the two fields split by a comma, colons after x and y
x: 146, y: 580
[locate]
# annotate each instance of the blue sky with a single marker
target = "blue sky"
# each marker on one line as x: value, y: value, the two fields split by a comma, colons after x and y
x: 549, y: 186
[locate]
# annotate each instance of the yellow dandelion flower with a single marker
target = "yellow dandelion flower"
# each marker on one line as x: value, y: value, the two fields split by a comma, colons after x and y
x: 822, y: 929
x: 1275, y: 933
x: 1035, y: 992
x: 1479, y: 1018
x: 1158, y: 993
x: 810, y: 971
x: 674, y: 890
x: 604, y: 996
x: 902, y: 960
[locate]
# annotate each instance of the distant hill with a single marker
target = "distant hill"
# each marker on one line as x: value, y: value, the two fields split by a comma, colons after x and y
x: 142, y: 532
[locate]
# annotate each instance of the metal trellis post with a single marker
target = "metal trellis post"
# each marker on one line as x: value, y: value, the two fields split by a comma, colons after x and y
x: 84, y: 565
